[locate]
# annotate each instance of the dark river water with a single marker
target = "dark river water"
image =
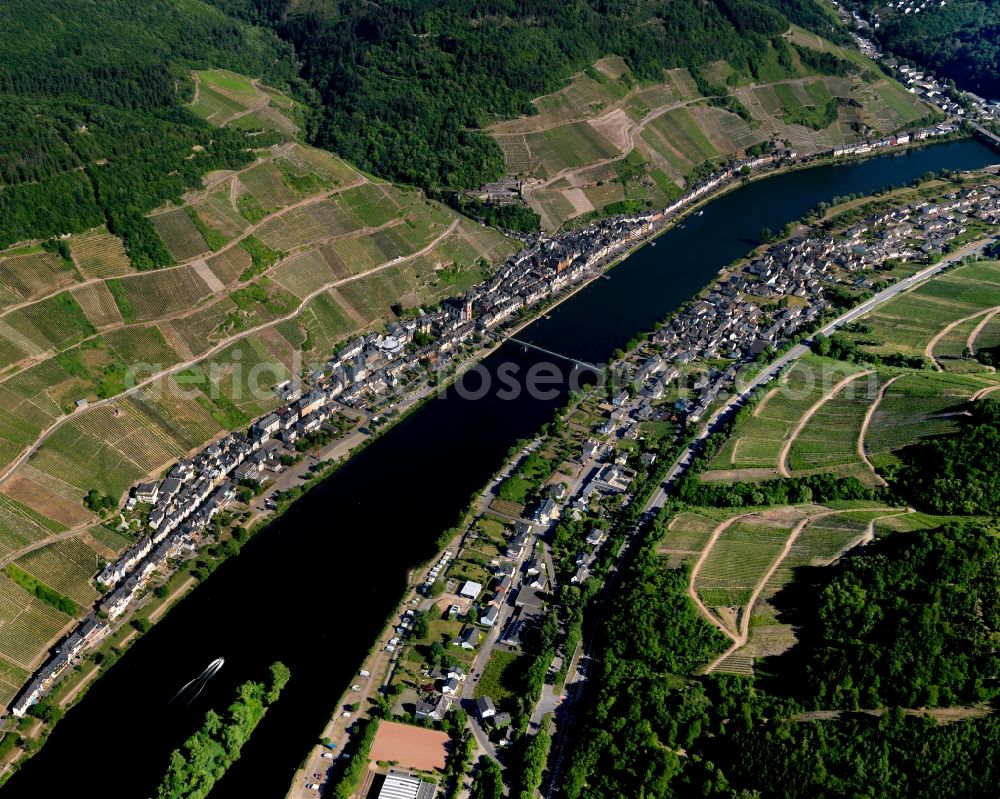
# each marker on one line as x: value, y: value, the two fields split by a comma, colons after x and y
x: 315, y: 588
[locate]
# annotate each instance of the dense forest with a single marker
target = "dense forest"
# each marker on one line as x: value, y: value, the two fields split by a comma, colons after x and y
x: 404, y: 85
x: 955, y: 474
x: 958, y: 40
x: 910, y: 620
x: 92, y: 127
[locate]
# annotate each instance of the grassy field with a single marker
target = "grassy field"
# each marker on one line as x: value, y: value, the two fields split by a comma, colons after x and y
x: 502, y: 678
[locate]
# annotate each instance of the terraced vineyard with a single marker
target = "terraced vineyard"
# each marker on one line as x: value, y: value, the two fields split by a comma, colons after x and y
x: 569, y: 150
x: 154, y: 295
x: 98, y: 305
x: 98, y: 254
x: 908, y: 323
x: 178, y: 231
x: 26, y: 625
x: 31, y: 275
x: 740, y: 558
x: 917, y: 406
x: 11, y: 679
x: 821, y: 541
x: 19, y: 526
x: 759, y: 440
x: 67, y: 566
x: 829, y: 440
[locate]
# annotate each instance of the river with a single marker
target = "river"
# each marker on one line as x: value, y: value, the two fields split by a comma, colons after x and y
x: 315, y: 588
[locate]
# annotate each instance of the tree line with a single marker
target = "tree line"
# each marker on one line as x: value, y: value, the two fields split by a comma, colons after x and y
x: 206, y: 755
x: 406, y: 89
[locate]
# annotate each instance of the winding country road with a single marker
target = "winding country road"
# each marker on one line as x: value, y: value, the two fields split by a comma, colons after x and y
x: 866, y: 422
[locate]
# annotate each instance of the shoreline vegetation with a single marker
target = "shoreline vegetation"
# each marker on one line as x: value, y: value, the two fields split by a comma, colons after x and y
x: 207, y: 754
x: 226, y: 547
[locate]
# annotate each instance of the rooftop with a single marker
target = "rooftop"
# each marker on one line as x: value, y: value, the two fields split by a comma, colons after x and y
x: 401, y: 785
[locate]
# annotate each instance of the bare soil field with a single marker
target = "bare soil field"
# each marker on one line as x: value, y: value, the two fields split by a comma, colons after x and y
x: 411, y: 747
x: 580, y: 202
x: 614, y: 126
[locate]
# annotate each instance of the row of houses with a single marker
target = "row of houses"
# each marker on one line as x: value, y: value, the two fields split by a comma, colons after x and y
x: 507, y: 583
x: 92, y: 629
x: 919, y: 81
x: 775, y: 296
x: 873, y: 145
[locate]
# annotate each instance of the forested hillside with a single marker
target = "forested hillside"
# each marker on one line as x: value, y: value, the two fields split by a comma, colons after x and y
x: 894, y: 625
x: 92, y: 127
x: 911, y: 621
x: 405, y: 85
x: 958, y: 40
x: 956, y: 474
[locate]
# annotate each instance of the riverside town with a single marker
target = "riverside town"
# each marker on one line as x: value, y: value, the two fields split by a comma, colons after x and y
x: 373, y: 372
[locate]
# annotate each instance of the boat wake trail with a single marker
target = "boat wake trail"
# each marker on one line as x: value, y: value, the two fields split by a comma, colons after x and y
x: 192, y: 690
